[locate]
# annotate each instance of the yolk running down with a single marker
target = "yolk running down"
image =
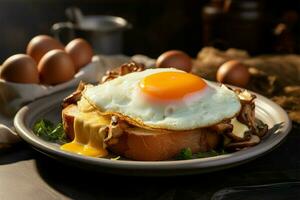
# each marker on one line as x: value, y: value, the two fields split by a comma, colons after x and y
x: 88, y: 132
x: 89, y: 138
x: 171, y: 85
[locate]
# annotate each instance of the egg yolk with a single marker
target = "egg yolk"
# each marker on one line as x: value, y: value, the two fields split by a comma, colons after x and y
x: 89, y: 134
x: 171, y: 85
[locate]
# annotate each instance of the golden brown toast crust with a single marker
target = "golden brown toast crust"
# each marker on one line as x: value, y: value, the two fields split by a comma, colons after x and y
x: 146, y: 145
x: 68, y: 115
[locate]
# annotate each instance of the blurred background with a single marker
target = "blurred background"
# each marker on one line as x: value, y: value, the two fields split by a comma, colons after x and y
x: 260, y: 27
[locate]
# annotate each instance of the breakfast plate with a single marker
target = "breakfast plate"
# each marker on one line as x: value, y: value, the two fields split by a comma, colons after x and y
x: 50, y: 108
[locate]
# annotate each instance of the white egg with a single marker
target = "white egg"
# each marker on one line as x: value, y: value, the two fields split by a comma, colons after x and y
x: 123, y: 97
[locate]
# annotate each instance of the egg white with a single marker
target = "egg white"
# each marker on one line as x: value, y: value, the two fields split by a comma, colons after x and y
x: 123, y: 96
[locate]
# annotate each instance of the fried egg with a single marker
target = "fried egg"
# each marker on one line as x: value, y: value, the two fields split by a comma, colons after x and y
x: 164, y: 98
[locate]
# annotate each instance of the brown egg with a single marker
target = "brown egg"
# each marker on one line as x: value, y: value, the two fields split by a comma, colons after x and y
x: 80, y: 51
x: 56, y: 67
x: 40, y: 45
x: 176, y: 59
x: 233, y: 72
x: 20, y: 68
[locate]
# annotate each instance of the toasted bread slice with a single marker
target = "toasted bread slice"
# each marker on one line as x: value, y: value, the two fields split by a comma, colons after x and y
x: 141, y: 144
x: 68, y: 116
x: 147, y: 145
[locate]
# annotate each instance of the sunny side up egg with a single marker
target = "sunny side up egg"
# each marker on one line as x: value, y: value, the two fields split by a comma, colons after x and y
x: 164, y: 98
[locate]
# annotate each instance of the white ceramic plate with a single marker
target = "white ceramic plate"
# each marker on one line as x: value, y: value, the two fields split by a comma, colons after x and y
x: 49, y: 108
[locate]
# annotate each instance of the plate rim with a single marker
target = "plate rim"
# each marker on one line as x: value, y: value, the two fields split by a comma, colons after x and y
x: 199, y: 163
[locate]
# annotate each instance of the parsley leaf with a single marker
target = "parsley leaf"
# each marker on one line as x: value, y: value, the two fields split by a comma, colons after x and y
x: 186, y: 154
x: 47, y: 130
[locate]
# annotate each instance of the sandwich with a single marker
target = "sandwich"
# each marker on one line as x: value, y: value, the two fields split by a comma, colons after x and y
x: 152, y: 114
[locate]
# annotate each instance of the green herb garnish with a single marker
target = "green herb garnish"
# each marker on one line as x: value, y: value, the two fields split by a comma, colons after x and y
x: 211, y: 153
x: 47, y: 130
x: 186, y: 154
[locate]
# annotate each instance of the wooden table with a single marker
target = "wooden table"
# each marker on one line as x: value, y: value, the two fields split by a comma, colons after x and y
x: 27, y: 174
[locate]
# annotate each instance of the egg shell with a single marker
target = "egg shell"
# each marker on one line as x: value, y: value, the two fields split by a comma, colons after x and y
x: 176, y: 59
x: 56, y: 67
x: 80, y: 51
x: 233, y: 72
x: 40, y: 45
x: 20, y: 68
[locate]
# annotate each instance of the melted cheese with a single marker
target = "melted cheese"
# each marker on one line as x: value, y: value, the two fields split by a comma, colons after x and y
x: 238, y: 128
x: 90, y: 132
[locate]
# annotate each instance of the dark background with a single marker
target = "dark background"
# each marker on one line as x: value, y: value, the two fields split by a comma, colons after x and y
x: 157, y: 25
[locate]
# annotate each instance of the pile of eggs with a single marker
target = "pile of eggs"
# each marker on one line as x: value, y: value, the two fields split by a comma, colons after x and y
x: 47, y: 61
x: 232, y: 72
